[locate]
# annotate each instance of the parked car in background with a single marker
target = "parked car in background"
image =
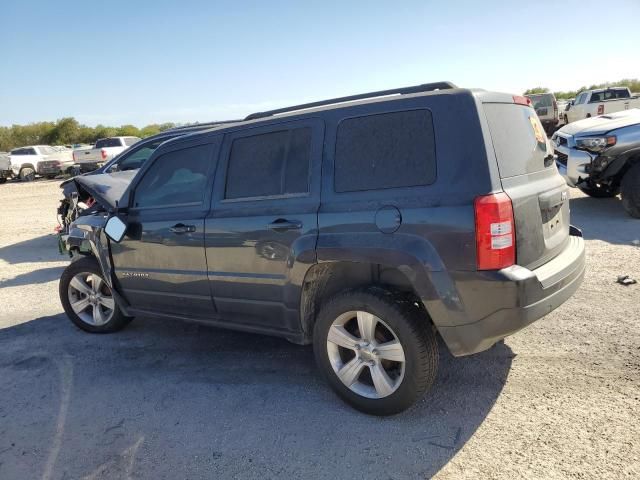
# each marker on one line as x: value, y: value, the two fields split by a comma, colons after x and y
x: 360, y: 224
x: 546, y: 107
x: 601, y: 156
x: 5, y: 167
x: 103, y: 151
x: 591, y: 103
x: 562, y: 106
x: 43, y: 160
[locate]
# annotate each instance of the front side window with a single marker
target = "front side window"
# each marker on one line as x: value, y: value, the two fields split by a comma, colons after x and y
x: 175, y: 178
x: 388, y: 150
x: 269, y: 164
x: 31, y: 151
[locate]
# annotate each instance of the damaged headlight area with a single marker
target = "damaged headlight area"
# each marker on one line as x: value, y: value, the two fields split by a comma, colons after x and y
x: 595, y: 144
x: 598, y: 164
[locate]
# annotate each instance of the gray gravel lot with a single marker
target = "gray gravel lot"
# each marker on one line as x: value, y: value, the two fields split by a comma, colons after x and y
x: 169, y: 400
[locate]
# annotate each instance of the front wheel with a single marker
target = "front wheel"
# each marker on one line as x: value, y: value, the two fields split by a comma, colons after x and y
x: 27, y: 174
x: 379, y: 354
x: 88, y: 300
x: 630, y: 191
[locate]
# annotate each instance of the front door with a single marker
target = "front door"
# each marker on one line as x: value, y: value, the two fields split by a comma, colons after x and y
x: 261, y: 232
x: 161, y: 264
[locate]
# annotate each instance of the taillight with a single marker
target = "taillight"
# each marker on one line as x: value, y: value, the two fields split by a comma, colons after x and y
x: 600, y: 109
x: 495, y: 232
x: 555, y: 106
x: 103, y: 154
x: 520, y: 100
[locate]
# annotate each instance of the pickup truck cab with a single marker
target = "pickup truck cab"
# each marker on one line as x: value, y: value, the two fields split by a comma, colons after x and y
x: 102, y: 152
x: 43, y: 160
x: 361, y: 225
x: 591, y: 103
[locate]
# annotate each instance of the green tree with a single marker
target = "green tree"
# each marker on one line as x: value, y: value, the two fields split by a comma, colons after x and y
x: 66, y: 131
x: 128, y: 131
x: 533, y: 91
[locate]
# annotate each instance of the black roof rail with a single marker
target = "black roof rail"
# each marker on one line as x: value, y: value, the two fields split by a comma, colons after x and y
x: 425, y: 87
x: 200, y: 126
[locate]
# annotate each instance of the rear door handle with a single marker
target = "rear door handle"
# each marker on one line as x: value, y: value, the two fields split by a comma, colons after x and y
x: 182, y: 228
x: 282, y: 225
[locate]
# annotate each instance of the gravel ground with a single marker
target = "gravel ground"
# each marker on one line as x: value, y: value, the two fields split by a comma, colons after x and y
x: 172, y: 400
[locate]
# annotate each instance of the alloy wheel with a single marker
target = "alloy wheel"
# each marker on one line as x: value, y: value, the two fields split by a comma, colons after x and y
x: 366, y: 354
x: 91, y: 299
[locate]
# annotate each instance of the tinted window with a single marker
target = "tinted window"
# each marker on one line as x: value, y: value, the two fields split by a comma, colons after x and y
x: 108, y: 142
x: 518, y: 138
x: 136, y: 159
x: 30, y: 151
x: 596, y: 97
x: 541, y: 101
x: 275, y: 163
x: 622, y: 93
x: 130, y: 141
x: 385, y: 151
x: 175, y: 178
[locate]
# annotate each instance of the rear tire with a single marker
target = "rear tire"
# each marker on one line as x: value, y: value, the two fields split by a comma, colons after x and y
x: 630, y: 191
x: 599, y: 191
x: 3, y: 180
x: 88, y: 300
x: 27, y: 174
x: 376, y: 351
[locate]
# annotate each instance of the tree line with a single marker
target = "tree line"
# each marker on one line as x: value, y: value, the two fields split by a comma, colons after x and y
x: 632, y: 83
x: 68, y: 131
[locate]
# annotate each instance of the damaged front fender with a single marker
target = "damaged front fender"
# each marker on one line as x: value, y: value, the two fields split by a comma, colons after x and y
x: 86, y: 236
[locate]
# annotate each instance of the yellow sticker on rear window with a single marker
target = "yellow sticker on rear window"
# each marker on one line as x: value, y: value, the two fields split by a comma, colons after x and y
x: 537, y: 130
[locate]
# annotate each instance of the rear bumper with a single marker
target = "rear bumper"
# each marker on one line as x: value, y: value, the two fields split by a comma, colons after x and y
x: 517, y: 297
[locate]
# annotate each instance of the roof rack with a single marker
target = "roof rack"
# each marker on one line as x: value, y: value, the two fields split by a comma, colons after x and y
x: 426, y: 87
x: 200, y: 126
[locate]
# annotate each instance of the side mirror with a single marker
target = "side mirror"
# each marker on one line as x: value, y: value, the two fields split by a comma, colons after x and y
x: 115, y: 229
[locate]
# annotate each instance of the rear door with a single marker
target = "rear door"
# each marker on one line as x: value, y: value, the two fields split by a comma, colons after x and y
x: 262, y: 230
x: 529, y: 176
x: 161, y: 264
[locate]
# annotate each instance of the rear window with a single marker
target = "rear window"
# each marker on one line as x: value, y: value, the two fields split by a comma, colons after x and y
x: 541, y: 101
x: 108, y: 142
x: 389, y: 150
x: 518, y: 138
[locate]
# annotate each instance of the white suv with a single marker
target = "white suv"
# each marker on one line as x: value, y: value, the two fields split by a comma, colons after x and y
x: 43, y: 160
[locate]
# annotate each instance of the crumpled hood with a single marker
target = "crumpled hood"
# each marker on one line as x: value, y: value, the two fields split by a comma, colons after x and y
x: 106, y: 188
x: 603, y: 123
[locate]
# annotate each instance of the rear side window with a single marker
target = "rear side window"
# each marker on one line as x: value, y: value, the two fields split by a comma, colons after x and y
x: 388, y: 150
x: 175, y: 178
x: 270, y: 164
x: 108, y: 142
x: 518, y: 138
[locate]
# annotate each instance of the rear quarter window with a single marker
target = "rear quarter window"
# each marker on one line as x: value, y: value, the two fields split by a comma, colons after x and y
x: 388, y: 150
x: 518, y: 138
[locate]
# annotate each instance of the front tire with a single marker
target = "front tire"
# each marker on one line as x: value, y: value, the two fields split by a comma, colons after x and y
x: 630, y: 191
x: 87, y: 299
x: 27, y: 174
x: 378, y: 352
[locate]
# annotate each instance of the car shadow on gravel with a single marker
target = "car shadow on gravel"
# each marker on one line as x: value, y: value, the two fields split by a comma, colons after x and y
x: 165, y: 399
x: 38, y: 249
x: 604, y: 219
x: 43, y: 275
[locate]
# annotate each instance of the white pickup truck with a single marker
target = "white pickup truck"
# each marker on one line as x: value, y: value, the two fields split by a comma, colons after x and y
x: 103, y: 151
x: 592, y: 103
x: 27, y: 162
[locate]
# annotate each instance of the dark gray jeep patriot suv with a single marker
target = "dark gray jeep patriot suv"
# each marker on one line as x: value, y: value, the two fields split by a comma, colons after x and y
x: 366, y: 225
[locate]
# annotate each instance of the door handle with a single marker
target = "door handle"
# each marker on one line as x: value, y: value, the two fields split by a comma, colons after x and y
x: 182, y: 228
x: 282, y: 225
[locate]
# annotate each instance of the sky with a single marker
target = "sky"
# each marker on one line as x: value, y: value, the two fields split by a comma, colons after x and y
x: 140, y: 62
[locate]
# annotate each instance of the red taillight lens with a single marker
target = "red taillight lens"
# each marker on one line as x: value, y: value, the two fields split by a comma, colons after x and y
x: 520, y: 100
x: 600, y: 109
x: 495, y: 232
x: 103, y: 154
x: 555, y: 106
